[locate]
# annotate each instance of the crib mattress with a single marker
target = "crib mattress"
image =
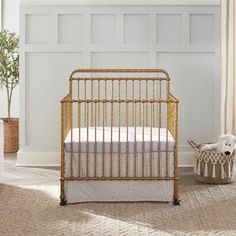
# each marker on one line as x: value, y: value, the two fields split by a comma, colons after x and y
x: 166, y: 144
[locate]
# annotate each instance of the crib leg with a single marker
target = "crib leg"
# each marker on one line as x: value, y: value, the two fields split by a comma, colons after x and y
x: 63, y: 202
x: 62, y: 196
x: 176, y: 201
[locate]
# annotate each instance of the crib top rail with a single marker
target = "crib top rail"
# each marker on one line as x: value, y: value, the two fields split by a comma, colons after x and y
x: 120, y: 78
x: 159, y: 71
x: 69, y: 100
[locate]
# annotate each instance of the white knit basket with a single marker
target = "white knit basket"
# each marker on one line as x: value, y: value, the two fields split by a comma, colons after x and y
x: 212, y: 167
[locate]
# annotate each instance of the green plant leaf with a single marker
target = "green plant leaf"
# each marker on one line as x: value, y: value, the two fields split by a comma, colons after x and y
x: 9, y: 63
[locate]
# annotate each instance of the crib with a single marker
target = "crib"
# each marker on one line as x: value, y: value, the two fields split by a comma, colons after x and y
x: 119, y: 137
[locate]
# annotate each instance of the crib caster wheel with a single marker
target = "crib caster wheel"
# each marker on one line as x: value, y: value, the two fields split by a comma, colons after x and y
x: 176, y: 202
x: 63, y: 202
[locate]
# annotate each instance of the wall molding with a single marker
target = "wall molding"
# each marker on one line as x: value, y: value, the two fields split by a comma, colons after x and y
x: 40, y: 43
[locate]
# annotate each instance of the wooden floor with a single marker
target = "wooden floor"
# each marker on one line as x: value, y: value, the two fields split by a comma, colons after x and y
x: 27, y: 175
x: 46, y: 179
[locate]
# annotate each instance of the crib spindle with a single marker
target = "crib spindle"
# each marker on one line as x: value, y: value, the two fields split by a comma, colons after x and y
x: 103, y: 138
x: 153, y: 98
x: 79, y: 151
x: 139, y: 95
x: 71, y: 143
x: 143, y: 140
x: 127, y: 139
x: 99, y: 103
x: 133, y: 104
x: 135, y: 138
x: 85, y: 97
x: 146, y: 103
x: 112, y: 115
x: 91, y: 104
x: 105, y: 103
x: 151, y: 123
x: 159, y: 140
x: 87, y: 143
x: 95, y: 140
x: 160, y: 90
x: 167, y: 144
x: 78, y: 120
x: 167, y: 127
x: 126, y: 89
x: 119, y: 132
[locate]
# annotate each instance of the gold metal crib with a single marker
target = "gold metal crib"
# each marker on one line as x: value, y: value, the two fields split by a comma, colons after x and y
x: 118, y: 100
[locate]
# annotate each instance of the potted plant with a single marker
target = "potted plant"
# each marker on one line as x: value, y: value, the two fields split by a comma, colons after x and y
x: 9, y: 78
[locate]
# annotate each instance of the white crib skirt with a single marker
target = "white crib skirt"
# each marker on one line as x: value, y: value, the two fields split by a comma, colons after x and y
x: 119, y: 190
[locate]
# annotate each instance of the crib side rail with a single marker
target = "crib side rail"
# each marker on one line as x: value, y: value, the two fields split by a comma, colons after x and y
x: 66, y: 114
x: 172, y: 114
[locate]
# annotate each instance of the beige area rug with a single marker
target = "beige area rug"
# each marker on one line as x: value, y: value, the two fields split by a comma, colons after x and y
x: 204, y: 210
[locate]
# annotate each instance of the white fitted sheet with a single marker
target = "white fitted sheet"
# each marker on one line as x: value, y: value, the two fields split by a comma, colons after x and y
x: 115, y: 139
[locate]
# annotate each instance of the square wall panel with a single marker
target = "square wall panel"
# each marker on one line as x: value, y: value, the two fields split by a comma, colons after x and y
x: 119, y: 60
x: 37, y: 29
x: 103, y: 28
x: 201, y: 29
x: 193, y: 82
x: 46, y: 83
x: 70, y: 29
x: 169, y: 29
x: 136, y: 29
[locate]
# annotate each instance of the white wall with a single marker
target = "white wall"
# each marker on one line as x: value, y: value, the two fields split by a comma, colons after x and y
x: 10, y: 20
x: 185, y: 40
x: 11, y: 15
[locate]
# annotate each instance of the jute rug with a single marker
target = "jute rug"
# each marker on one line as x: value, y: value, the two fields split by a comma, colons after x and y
x: 204, y: 210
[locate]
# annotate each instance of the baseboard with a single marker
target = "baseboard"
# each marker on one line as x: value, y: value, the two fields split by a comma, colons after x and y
x: 52, y: 158
x: 34, y: 159
x: 186, y: 159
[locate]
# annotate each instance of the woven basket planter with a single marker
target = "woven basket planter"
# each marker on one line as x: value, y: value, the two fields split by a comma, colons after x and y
x: 212, y: 167
x: 11, y: 135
